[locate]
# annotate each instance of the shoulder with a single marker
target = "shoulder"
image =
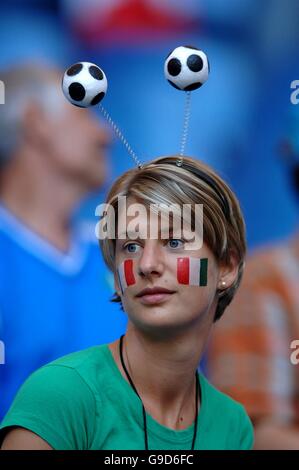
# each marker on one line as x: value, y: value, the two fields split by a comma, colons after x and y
x: 76, y: 359
x: 58, y: 402
x: 227, y: 414
x: 265, y: 285
x: 219, y: 400
x: 72, y: 373
x: 86, y: 366
x: 268, y: 263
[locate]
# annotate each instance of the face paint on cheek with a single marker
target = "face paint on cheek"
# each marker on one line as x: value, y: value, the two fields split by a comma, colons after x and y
x: 192, y: 271
x: 125, y: 274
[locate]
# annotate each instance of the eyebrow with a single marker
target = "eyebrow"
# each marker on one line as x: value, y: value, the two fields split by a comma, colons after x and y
x: 124, y: 235
x: 132, y: 235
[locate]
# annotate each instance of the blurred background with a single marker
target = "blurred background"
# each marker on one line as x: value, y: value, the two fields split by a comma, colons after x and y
x: 242, y: 120
x: 239, y: 118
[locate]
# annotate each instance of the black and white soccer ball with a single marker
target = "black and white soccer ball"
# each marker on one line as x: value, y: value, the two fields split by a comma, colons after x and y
x: 187, y: 68
x: 84, y: 84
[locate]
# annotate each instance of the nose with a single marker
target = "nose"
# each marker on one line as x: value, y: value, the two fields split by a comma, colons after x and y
x: 104, y: 135
x: 151, y: 261
x: 99, y: 131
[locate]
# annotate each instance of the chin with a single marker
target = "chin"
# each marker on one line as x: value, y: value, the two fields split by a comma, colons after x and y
x: 162, y: 331
x: 95, y: 183
x: 157, y: 320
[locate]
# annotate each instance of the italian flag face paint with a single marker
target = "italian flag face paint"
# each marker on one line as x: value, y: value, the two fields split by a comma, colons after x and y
x: 192, y: 271
x: 125, y: 274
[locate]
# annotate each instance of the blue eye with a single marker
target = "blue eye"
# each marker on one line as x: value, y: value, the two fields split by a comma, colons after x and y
x: 174, y: 243
x: 130, y: 247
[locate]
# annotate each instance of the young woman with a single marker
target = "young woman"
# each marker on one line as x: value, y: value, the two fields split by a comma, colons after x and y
x: 143, y: 391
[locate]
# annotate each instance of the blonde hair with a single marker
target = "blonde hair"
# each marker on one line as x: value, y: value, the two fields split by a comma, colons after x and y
x: 162, y: 181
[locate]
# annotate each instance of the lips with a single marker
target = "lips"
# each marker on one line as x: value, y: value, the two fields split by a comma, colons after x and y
x: 154, y: 290
x: 155, y: 295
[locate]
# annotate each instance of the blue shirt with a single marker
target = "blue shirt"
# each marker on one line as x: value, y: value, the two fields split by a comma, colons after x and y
x: 51, y: 303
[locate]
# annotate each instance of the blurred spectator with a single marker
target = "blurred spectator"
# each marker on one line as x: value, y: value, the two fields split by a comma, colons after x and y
x: 250, y: 352
x: 54, y: 287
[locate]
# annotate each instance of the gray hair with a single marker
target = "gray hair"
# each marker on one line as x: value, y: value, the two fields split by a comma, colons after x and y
x: 24, y: 84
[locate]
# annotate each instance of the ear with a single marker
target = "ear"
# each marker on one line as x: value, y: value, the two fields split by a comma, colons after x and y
x: 34, y: 125
x: 228, y: 273
x: 116, y: 283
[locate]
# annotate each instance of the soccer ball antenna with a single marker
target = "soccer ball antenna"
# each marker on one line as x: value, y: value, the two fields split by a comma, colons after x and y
x: 84, y: 84
x: 186, y: 68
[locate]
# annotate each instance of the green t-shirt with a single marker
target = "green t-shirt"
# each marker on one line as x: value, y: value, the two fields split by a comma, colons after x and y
x: 82, y: 401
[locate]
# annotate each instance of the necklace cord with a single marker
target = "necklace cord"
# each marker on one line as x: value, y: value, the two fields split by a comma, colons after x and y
x: 197, y: 397
x: 134, y: 388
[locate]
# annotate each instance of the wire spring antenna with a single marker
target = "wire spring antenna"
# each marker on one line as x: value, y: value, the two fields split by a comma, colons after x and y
x: 121, y: 136
x: 185, y: 127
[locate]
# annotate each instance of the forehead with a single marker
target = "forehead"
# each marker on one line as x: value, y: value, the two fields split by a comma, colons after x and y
x: 150, y: 220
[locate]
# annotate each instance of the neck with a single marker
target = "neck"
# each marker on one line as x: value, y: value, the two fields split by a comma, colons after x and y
x: 163, y: 372
x: 43, y: 201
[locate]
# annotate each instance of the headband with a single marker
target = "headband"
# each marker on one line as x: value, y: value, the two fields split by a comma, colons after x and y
x: 186, y: 68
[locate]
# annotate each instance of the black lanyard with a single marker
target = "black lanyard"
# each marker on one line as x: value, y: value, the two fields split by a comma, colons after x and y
x: 197, y: 393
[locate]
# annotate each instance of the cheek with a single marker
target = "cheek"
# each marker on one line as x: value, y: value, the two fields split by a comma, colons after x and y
x: 195, y: 299
x: 192, y: 271
x: 197, y: 280
x: 125, y: 274
x: 67, y: 146
x: 198, y: 294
